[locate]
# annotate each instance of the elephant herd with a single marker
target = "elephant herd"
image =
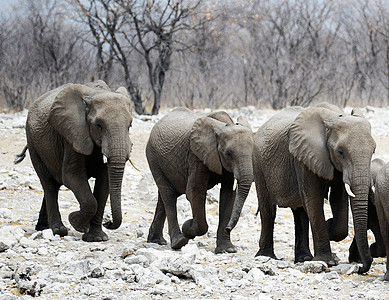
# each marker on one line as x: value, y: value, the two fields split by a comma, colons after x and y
x: 297, y: 158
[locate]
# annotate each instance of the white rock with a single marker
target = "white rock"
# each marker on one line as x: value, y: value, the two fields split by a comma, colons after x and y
x: 10, y: 235
x: 47, y: 234
x: 138, y: 259
x: 313, y: 267
x: 255, y: 275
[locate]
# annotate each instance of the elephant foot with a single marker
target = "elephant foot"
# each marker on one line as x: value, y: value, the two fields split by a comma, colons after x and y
x: 330, y: 259
x: 303, y: 256
x: 269, y: 253
x: 178, y: 242
x: 190, y: 231
x: 61, y: 230
x: 156, y: 238
x: 226, y: 247
x: 95, y: 235
x: 41, y: 226
x: 78, y: 222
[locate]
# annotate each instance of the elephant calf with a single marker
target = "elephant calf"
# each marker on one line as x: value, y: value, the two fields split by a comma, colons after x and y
x: 378, y: 214
x: 75, y: 132
x: 189, y: 153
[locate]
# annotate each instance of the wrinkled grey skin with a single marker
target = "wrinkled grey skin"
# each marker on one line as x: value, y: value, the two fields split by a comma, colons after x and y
x: 68, y: 131
x: 300, y: 153
x: 377, y: 249
x: 188, y: 154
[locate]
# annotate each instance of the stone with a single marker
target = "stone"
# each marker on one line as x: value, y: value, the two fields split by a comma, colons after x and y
x: 138, y: 259
x: 313, y: 267
x: 10, y: 235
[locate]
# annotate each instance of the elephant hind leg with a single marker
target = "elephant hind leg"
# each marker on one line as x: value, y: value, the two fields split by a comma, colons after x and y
x: 301, y: 226
x: 43, y: 220
x: 156, y: 227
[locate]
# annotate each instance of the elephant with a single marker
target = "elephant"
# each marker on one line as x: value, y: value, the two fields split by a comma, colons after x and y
x: 381, y: 202
x: 75, y: 132
x: 377, y: 249
x: 189, y: 153
x: 299, y: 155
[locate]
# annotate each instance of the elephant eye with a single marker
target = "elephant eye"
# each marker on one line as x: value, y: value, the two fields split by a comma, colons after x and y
x: 340, y: 151
x: 228, y: 154
x: 98, y: 125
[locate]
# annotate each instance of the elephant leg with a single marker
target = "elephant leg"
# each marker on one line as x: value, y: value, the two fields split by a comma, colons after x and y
x: 301, y: 226
x: 267, y: 212
x: 101, y: 192
x: 311, y: 191
x: 43, y: 220
x: 196, y: 191
x: 377, y: 249
x: 338, y: 224
x: 156, y: 227
x: 383, y: 217
x: 49, y: 215
x: 227, y: 196
x: 75, y: 178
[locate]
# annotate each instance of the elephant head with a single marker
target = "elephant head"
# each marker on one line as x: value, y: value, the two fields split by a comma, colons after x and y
x: 226, y: 146
x: 86, y: 116
x: 325, y: 140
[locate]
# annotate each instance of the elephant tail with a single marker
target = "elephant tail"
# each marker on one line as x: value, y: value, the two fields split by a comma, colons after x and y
x: 21, y: 156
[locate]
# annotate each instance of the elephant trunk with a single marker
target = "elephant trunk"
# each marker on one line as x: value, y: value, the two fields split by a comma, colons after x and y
x: 117, y: 148
x: 244, y: 185
x: 359, y: 207
x: 115, y: 177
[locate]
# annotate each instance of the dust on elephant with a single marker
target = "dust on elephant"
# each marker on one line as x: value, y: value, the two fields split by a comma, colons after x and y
x: 377, y: 249
x: 298, y: 155
x: 75, y: 132
x: 189, y: 153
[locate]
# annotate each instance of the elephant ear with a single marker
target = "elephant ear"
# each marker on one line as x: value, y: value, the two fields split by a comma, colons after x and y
x: 357, y: 112
x: 67, y: 116
x: 98, y: 84
x: 203, y: 142
x: 123, y: 91
x: 308, y: 141
x: 221, y: 116
x: 243, y: 121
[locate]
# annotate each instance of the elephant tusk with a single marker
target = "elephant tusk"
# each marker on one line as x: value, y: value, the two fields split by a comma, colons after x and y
x: 373, y: 189
x: 235, y: 185
x: 348, y: 190
x: 105, y: 159
x: 132, y: 164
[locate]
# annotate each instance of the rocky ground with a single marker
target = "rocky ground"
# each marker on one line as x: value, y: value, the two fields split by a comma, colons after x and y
x: 38, y: 264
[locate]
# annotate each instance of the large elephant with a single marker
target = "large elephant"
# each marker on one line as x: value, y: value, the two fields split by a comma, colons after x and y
x: 298, y: 155
x: 189, y: 153
x: 377, y: 249
x: 75, y: 132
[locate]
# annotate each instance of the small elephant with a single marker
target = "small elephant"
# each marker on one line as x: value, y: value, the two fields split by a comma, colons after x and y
x: 377, y: 249
x: 75, y: 132
x: 381, y: 201
x: 189, y: 153
x: 298, y: 155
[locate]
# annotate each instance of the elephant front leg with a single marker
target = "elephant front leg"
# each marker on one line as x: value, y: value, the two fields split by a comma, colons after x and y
x: 338, y: 224
x: 196, y: 191
x: 301, y: 226
x: 101, y: 191
x: 311, y: 191
x: 74, y: 177
x: 227, y: 196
